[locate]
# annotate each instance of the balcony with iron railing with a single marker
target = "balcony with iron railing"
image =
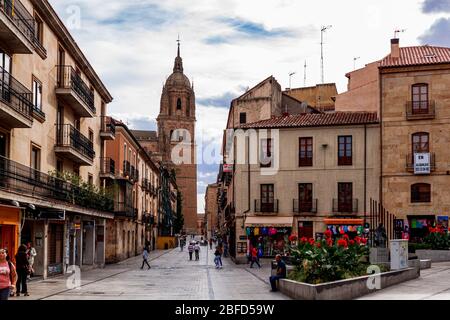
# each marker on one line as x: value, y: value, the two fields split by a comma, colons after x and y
x: 15, y: 177
x: 341, y: 206
x: 73, y: 145
x: 75, y: 92
x: 422, y: 168
x: 107, y: 168
x: 305, y: 207
x: 420, y: 110
x: 16, y: 104
x: 266, y: 207
x: 125, y: 210
x: 108, y: 128
x: 18, y: 29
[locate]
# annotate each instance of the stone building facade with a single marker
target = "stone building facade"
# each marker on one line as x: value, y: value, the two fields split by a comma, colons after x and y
x: 52, y: 110
x: 211, y: 209
x: 409, y: 90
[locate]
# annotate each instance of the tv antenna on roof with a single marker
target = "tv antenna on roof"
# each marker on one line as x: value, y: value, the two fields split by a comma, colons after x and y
x: 398, y: 31
x: 304, y: 75
x: 322, y: 30
x: 354, y: 62
x: 290, y: 77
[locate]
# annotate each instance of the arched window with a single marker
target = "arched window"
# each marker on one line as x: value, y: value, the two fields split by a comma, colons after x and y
x: 179, y: 104
x: 188, y: 110
x: 420, y: 103
x: 421, y: 142
x: 172, y: 138
x: 420, y: 192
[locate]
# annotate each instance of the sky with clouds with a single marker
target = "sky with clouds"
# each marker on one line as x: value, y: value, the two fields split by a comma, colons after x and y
x: 229, y: 45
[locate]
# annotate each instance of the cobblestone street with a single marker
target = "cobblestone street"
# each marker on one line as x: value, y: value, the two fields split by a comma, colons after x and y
x: 172, y: 276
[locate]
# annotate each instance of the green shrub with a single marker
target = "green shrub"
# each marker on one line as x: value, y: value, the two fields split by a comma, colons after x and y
x: 325, y: 260
x: 438, y: 239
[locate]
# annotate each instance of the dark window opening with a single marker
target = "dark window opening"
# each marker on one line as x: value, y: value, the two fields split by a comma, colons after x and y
x: 305, y: 152
x: 243, y: 117
x: 179, y: 104
x: 345, y: 154
x: 420, y: 192
x: 266, y: 153
x: 420, y: 103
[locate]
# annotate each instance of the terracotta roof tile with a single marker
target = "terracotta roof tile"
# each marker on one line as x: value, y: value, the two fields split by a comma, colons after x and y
x: 420, y: 55
x: 316, y: 120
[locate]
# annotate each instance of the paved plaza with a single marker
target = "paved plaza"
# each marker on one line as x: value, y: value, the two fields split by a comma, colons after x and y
x: 174, y: 277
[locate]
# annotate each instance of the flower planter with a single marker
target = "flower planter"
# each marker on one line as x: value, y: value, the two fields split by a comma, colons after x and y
x: 344, y: 289
x: 433, y: 255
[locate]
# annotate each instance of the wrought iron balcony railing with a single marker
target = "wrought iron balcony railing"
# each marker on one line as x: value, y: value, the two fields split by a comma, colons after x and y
x: 15, y: 95
x: 301, y: 206
x: 28, y: 181
x: 23, y: 20
x: 108, y: 126
x: 68, y: 78
x: 410, y: 161
x: 107, y: 166
x: 266, y: 207
x: 68, y: 136
x: 126, y: 210
x: 420, y: 109
x: 343, y: 206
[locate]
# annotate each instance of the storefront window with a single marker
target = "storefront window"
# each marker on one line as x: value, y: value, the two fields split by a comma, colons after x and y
x: 269, y: 241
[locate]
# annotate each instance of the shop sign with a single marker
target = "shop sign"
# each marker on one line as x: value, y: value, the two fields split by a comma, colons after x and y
x: 54, y: 269
x: 77, y: 226
x: 421, y: 163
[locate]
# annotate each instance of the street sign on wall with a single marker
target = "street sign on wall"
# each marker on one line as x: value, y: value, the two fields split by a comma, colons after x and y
x: 422, y: 163
x: 227, y: 167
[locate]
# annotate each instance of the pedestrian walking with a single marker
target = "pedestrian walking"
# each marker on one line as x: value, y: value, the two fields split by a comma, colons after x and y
x: 255, y: 258
x: 190, y: 250
x: 217, y: 258
x: 281, y: 272
x: 225, y: 249
x: 182, y: 243
x: 22, y: 269
x: 145, y: 255
x: 210, y: 243
x: 197, y: 251
x: 8, y: 276
x: 31, y: 253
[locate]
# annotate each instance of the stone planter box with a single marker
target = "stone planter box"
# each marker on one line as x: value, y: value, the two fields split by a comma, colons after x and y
x: 344, y: 289
x: 434, y: 255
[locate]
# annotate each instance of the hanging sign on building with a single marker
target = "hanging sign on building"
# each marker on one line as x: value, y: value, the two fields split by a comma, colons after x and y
x: 422, y: 163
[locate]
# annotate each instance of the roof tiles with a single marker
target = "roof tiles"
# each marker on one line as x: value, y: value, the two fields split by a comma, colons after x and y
x: 315, y: 120
x: 420, y: 55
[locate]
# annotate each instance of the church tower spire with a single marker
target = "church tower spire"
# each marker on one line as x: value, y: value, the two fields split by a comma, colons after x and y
x: 178, y: 65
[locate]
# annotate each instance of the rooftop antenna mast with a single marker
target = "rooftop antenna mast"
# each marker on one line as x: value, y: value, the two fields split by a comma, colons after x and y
x: 397, y: 31
x: 322, y: 30
x: 354, y: 62
x: 290, y: 78
x: 304, y: 75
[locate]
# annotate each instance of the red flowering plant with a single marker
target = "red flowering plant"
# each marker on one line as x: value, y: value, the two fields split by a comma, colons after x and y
x: 328, y: 260
x: 438, y: 238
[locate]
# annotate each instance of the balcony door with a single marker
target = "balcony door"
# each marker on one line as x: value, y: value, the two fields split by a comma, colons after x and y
x: 420, y: 142
x: 267, y: 198
x: 420, y: 98
x: 3, y: 144
x: 345, y: 197
x: 5, y: 69
x: 305, y: 197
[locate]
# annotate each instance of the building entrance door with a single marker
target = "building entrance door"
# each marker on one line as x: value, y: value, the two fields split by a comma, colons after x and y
x: 7, y: 239
x: 305, y: 229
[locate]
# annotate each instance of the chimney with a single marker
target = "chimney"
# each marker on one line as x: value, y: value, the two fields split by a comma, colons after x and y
x: 395, y: 48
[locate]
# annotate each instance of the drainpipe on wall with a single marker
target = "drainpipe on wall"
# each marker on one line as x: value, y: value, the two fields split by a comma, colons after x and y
x: 365, y: 173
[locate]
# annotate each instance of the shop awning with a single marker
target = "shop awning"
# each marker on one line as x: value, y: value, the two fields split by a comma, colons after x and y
x: 344, y: 221
x: 269, y: 221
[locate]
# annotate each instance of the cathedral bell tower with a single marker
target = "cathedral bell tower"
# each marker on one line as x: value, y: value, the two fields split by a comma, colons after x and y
x: 176, y: 136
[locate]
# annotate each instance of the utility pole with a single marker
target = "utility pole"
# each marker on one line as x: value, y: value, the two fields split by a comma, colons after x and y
x: 322, y: 30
